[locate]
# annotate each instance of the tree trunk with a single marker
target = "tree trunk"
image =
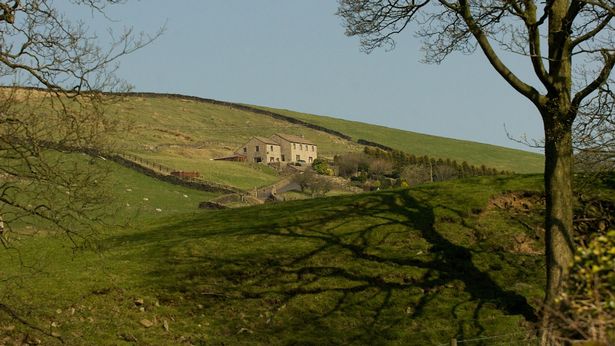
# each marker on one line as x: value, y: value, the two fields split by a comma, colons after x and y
x: 558, y: 217
x: 559, y: 243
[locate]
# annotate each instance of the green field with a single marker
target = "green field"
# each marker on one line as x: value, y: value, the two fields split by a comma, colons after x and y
x: 421, y: 144
x: 138, y: 196
x: 242, y: 175
x: 405, y: 267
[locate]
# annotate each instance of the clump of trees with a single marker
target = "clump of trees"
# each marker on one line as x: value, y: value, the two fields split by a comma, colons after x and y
x: 378, y: 168
x: 440, y: 169
x: 312, y: 182
x: 351, y: 164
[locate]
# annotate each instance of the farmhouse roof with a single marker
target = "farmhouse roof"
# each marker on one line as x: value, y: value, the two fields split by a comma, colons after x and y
x: 266, y: 140
x: 295, y: 139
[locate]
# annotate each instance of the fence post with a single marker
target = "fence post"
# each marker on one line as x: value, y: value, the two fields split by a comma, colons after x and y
x: 453, y: 342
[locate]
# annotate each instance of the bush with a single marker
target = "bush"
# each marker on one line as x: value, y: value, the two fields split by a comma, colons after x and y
x: 586, y: 308
x: 321, y: 166
x: 376, y: 185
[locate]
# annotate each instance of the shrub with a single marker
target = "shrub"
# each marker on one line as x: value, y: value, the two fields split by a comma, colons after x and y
x: 586, y: 308
x: 321, y: 166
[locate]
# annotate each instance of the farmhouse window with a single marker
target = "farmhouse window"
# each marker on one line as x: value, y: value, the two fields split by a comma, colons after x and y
x: 245, y: 149
x: 272, y: 148
x: 298, y: 157
x: 312, y: 148
x: 257, y: 148
x: 271, y: 159
x: 294, y: 145
x: 283, y: 159
x: 310, y: 159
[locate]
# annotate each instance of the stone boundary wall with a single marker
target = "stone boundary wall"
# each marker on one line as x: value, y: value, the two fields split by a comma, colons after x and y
x: 374, y: 144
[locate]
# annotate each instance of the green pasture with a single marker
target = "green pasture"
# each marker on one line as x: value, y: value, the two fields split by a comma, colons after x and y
x: 237, y: 174
x: 139, y: 197
x: 400, y: 267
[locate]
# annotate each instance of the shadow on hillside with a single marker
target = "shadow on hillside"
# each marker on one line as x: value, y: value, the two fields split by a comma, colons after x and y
x: 368, y: 271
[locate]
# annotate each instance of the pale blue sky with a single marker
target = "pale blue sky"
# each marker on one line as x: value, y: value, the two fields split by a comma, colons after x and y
x: 293, y: 54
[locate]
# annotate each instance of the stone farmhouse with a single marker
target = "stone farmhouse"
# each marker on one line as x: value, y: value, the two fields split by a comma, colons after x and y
x: 279, y: 148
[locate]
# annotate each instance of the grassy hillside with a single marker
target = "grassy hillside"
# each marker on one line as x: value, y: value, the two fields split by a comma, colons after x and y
x: 163, y: 122
x: 422, y: 144
x: 407, y: 267
x: 187, y: 134
x: 129, y: 197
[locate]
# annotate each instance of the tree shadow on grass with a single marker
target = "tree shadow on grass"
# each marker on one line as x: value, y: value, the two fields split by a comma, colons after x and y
x: 370, y: 269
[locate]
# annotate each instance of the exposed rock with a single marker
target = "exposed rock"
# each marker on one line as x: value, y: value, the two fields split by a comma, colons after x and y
x: 165, y: 325
x: 146, y: 323
x: 31, y: 340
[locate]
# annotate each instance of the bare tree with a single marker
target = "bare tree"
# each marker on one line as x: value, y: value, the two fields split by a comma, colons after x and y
x: 444, y: 173
x: 415, y: 174
x: 53, y: 120
x: 594, y: 138
x: 350, y: 164
x: 379, y: 167
x: 551, y: 34
x: 62, y: 111
x: 313, y: 182
x: 559, y: 37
